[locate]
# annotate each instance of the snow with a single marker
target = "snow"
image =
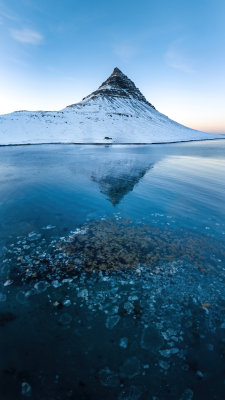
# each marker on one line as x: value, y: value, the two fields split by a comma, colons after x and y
x: 125, y: 120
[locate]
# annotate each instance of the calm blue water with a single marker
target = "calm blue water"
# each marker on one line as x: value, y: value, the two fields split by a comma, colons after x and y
x: 66, y: 185
x: 126, y: 336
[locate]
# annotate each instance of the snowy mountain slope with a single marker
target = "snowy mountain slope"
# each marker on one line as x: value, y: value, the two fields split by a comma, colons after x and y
x: 117, y: 110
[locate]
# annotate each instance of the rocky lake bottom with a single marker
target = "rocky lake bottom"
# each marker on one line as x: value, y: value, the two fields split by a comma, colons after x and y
x: 112, y: 272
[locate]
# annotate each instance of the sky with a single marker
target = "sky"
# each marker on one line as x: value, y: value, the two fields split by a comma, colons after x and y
x: 55, y: 52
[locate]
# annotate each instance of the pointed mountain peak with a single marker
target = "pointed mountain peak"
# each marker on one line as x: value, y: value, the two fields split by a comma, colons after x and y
x: 116, y: 71
x: 118, y: 85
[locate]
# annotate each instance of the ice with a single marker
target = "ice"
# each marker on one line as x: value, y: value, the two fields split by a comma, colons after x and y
x: 163, y: 364
x: 133, y: 297
x: 200, y: 374
x: 112, y: 321
x: 151, y: 339
x: 79, y: 232
x: 48, y: 227
x: 129, y: 307
x: 169, y: 352
x: 67, y: 303
x: 34, y: 236
x: 153, y: 346
x: 56, y: 283
x: 131, y: 367
x: 108, y: 378
x: 83, y: 293
x: 26, y: 389
x: 41, y: 286
x: 114, y: 310
x: 124, y: 342
x: 8, y: 282
x: 56, y: 304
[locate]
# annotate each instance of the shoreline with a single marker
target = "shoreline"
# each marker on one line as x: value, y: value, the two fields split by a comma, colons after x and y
x: 107, y: 144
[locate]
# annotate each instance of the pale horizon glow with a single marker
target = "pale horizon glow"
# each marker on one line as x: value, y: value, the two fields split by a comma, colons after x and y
x: 53, y: 54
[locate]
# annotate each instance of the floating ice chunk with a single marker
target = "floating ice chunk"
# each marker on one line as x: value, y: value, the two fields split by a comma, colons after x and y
x: 56, y: 304
x: 163, y: 364
x: 26, y: 389
x: 114, y: 310
x: 108, y: 378
x: 67, y: 303
x: 187, y: 395
x: 112, y: 321
x: 67, y: 280
x: 129, y: 307
x: 31, y: 234
x: 8, y: 282
x: 138, y: 271
x: 56, y: 283
x: 34, y: 236
x: 83, y: 293
x: 48, y: 227
x: 151, y: 339
x: 131, y: 368
x: 222, y: 326
x: 41, y: 286
x: 124, y: 342
x: 79, y: 232
x: 65, y: 319
x: 130, y: 393
x: 200, y: 374
x: 133, y: 298
x: 169, y: 352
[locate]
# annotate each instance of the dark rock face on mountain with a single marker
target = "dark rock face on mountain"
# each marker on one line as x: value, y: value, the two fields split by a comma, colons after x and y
x: 118, y: 85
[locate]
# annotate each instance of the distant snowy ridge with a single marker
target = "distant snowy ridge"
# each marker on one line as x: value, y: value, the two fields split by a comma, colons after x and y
x: 117, y: 110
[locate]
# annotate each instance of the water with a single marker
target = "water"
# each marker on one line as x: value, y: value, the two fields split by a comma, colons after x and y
x: 147, y: 332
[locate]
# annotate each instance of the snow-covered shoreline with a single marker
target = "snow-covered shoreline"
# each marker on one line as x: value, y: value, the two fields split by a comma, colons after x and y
x: 108, y: 144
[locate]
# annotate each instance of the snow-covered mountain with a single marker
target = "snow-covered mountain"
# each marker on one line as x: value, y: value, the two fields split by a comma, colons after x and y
x: 116, y: 112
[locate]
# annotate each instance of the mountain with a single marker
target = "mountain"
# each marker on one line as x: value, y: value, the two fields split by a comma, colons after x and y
x: 117, y: 112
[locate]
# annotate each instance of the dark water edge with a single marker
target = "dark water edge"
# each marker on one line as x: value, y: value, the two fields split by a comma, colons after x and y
x: 109, y: 143
x: 148, y: 332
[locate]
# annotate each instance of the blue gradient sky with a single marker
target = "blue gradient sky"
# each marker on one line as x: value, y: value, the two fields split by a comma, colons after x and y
x: 54, y: 52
